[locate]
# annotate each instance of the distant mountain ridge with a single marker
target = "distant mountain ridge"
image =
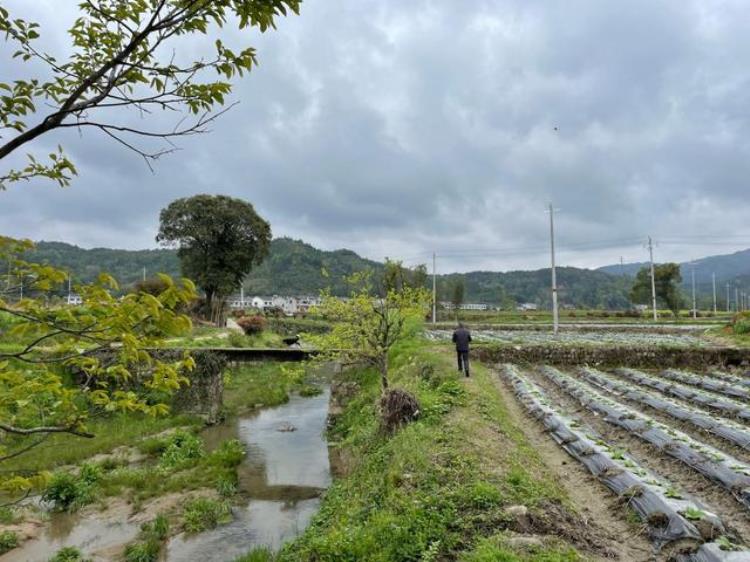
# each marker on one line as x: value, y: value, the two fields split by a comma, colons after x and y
x: 730, y: 269
x: 295, y: 268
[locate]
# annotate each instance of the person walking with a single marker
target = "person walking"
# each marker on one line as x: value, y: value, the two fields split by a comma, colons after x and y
x: 462, y: 338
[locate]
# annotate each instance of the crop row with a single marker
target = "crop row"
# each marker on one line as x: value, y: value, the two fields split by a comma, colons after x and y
x: 730, y: 473
x: 726, y: 406
x: 723, y: 428
x: 666, y: 513
x: 707, y: 383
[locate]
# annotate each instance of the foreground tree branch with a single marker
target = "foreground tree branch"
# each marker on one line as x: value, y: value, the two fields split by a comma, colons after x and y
x: 118, y: 62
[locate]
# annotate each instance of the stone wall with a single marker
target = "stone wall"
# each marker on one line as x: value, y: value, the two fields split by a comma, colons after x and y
x: 617, y: 356
x: 204, y: 395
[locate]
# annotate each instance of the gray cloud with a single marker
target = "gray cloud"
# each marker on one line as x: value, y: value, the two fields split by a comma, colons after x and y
x: 399, y: 128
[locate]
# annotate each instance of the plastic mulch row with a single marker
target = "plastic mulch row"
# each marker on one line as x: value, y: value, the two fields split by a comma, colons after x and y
x: 659, y: 512
x: 735, y: 435
x: 726, y: 407
x: 736, y: 483
x: 707, y: 383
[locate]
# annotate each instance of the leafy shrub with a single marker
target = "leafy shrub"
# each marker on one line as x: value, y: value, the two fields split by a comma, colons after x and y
x: 252, y: 325
x: 8, y: 541
x: 67, y: 491
x: 68, y: 554
x: 201, y: 514
x: 182, y: 449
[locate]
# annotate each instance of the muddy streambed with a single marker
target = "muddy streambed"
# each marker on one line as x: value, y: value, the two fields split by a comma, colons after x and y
x: 285, y: 471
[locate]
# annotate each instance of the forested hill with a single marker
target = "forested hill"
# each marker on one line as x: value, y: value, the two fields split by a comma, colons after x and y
x: 294, y: 267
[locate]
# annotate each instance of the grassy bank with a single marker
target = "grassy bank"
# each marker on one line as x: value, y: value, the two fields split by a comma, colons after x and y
x: 441, y: 487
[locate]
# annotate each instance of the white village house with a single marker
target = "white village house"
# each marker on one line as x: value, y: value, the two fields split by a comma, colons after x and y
x: 289, y: 305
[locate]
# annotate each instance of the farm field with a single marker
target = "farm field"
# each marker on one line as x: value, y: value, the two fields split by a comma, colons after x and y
x: 672, y: 446
x: 579, y: 337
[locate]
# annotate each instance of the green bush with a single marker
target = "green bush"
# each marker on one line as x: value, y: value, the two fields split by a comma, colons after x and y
x: 8, y: 541
x: 201, y: 514
x: 182, y: 449
x: 68, y: 554
x: 67, y: 491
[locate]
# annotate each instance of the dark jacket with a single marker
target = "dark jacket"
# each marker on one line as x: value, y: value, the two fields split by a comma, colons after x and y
x: 462, y: 337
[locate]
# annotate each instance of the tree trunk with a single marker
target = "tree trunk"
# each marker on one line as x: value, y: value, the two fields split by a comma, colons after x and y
x: 383, y: 367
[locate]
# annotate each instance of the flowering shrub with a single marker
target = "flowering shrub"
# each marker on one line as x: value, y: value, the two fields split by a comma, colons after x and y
x: 252, y: 324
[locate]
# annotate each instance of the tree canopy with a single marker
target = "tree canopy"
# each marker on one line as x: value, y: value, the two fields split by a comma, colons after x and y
x: 366, y: 326
x: 123, y: 57
x: 219, y: 239
x: 667, y: 279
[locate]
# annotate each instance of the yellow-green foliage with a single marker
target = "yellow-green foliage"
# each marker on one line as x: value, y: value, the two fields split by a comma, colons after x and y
x: 52, y: 379
x: 366, y: 326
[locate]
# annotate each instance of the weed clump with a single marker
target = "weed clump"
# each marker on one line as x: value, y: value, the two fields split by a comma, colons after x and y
x: 397, y: 408
x: 183, y: 448
x: 259, y: 554
x: 8, y: 541
x: 148, y: 547
x: 68, y: 492
x: 202, y: 514
x: 68, y: 554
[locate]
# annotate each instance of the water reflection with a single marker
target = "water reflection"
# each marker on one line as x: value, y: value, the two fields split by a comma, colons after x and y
x: 281, y: 478
x: 283, y: 475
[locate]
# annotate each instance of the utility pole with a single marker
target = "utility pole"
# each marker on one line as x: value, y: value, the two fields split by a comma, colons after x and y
x: 713, y: 281
x: 144, y: 272
x: 555, y: 315
x: 622, y: 267
x: 728, y: 310
x: 692, y: 274
x: 434, y: 289
x: 653, y: 277
x: 736, y: 298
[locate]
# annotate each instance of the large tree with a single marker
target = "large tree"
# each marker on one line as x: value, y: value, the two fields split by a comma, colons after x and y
x: 667, y: 279
x: 123, y: 61
x: 219, y: 240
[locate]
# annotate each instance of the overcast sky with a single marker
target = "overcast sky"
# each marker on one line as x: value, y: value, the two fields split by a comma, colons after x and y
x: 397, y: 128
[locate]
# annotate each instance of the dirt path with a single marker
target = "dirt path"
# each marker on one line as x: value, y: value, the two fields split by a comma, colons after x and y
x: 735, y: 517
x: 595, y: 504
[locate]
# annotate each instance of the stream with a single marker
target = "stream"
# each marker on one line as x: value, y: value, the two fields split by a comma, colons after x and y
x: 280, y: 481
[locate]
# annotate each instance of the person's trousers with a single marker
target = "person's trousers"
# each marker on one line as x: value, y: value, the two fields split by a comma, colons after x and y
x: 463, y: 361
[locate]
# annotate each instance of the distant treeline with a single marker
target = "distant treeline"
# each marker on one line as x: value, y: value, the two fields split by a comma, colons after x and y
x: 294, y: 268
